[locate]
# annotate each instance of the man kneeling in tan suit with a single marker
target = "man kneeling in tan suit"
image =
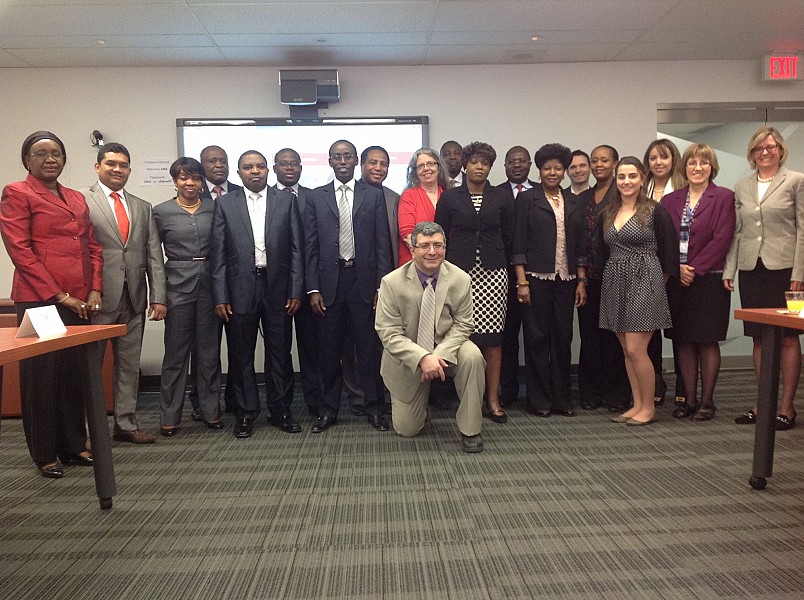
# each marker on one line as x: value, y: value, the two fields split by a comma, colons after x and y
x: 424, y: 319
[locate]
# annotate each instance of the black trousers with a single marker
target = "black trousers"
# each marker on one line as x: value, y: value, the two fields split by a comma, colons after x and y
x: 53, y: 392
x: 547, y: 323
x: 602, y: 379
x: 349, y: 311
x: 509, y: 372
x: 277, y: 330
x: 306, y: 325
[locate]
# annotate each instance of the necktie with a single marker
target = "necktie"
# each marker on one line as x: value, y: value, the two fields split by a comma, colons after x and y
x: 291, y: 190
x: 345, y: 236
x: 426, y: 333
x: 218, y: 191
x: 519, y: 188
x: 122, y: 217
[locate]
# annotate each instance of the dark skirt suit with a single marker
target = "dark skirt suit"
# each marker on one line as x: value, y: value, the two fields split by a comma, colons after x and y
x: 700, y: 312
x: 52, y: 245
x: 191, y: 323
x: 602, y: 379
x: 480, y: 242
x: 547, y: 321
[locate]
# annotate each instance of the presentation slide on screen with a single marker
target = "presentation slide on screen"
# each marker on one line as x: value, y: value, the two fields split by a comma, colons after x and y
x: 311, y: 138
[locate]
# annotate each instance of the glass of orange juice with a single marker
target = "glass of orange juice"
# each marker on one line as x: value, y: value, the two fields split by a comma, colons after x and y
x: 795, y: 301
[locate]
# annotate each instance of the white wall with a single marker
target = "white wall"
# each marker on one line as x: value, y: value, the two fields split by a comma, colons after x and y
x: 578, y: 104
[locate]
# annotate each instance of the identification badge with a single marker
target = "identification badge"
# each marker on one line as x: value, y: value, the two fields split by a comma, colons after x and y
x: 683, y: 245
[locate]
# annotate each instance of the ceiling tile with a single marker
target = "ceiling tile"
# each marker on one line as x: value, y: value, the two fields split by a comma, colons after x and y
x: 124, y: 57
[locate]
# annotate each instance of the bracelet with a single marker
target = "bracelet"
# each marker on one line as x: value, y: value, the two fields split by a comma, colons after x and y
x: 63, y: 300
x: 521, y: 284
x: 583, y: 280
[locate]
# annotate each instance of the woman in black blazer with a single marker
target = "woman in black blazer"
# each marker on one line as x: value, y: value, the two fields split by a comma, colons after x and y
x: 479, y: 222
x: 550, y: 261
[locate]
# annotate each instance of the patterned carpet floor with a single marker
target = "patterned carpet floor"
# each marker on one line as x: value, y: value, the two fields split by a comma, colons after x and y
x: 577, y: 508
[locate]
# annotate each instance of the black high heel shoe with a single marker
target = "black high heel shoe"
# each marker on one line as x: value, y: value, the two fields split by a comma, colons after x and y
x: 77, y: 459
x: 783, y: 423
x: 51, y: 471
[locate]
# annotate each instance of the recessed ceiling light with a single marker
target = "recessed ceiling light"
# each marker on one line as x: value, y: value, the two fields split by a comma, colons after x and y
x: 100, y: 42
x: 535, y: 38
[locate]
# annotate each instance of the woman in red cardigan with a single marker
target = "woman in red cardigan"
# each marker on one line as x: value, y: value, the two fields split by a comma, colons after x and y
x: 57, y: 261
x: 427, y: 178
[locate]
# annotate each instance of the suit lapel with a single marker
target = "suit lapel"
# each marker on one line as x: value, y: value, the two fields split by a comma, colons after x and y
x: 359, y: 196
x: 442, y: 287
x: 271, y: 199
x: 777, y: 181
x: 705, y: 201
x: 240, y: 206
x: 331, y: 201
x: 99, y: 198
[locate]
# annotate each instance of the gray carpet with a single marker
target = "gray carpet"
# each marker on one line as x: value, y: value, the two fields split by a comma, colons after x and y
x: 576, y: 508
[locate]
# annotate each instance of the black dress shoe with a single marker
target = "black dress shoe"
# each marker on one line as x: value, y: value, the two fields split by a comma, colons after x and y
x: 168, y: 431
x: 378, y: 422
x: 542, y: 413
x: 215, y: 424
x: 77, y: 459
x: 196, y: 416
x: 322, y: 424
x: 51, y: 471
x: 244, y: 427
x: 565, y: 412
x: 285, y: 422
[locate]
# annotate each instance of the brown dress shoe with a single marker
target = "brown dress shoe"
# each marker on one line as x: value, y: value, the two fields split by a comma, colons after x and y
x: 135, y: 437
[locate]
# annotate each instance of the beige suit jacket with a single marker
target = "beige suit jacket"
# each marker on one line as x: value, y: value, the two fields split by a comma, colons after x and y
x: 397, y: 323
x: 139, y: 258
x: 772, y: 229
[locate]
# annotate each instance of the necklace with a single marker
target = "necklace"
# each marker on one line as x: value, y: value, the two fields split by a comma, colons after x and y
x: 556, y: 199
x: 188, y: 206
x: 760, y: 180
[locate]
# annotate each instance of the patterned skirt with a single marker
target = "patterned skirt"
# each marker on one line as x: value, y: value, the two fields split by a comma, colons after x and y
x: 490, y: 300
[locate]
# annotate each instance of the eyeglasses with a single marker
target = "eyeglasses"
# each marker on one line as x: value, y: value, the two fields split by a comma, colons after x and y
x: 430, y: 164
x: 437, y: 246
x: 42, y: 155
x: 347, y: 156
x: 771, y: 148
x: 288, y: 163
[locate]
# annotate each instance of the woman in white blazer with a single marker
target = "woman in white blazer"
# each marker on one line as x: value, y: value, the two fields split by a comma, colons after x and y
x: 768, y: 251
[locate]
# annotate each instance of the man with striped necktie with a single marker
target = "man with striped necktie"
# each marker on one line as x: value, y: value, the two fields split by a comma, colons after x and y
x: 424, y: 319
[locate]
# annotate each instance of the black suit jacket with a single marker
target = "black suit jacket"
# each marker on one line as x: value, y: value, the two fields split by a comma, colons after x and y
x: 491, y: 229
x: 506, y: 187
x: 233, y: 187
x: 372, y: 241
x: 535, y: 232
x: 232, y: 251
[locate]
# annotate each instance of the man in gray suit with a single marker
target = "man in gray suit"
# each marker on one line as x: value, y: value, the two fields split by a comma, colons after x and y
x: 412, y: 358
x: 257, y: 264
x: 132, y: 255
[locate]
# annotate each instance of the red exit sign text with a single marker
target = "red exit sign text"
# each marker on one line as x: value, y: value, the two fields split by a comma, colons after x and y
x: 781, y: 68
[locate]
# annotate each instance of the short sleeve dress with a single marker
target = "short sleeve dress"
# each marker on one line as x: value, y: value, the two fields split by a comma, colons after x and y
x: 633, y: 295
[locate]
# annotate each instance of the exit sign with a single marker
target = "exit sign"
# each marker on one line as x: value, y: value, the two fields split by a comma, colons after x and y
x: 781, y: 67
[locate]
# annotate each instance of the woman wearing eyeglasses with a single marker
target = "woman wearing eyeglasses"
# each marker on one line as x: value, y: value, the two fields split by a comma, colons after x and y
x: 57, y: 262
x: 478, y: 220
x: 768, y: 251
x: 427, y: 178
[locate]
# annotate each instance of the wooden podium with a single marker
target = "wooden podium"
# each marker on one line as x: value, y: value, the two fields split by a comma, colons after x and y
x: 773, y: 322
x: 13, y: 349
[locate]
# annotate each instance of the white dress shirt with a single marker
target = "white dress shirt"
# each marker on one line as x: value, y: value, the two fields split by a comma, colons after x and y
x: 108, y: 193
x: 256, y: 212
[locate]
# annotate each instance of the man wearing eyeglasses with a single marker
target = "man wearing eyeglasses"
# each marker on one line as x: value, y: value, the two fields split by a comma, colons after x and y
x: 517, y: 168
x: 424, y: 319
x: 288, y: 170
x: 348, y: 251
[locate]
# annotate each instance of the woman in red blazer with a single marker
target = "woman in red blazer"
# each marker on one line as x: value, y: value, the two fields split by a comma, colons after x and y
x: 57, y: 261
x: 704, y: 219
x: 427, y: 178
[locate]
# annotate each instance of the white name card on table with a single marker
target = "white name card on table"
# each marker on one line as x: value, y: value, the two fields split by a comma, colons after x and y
x: 42, y: 322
